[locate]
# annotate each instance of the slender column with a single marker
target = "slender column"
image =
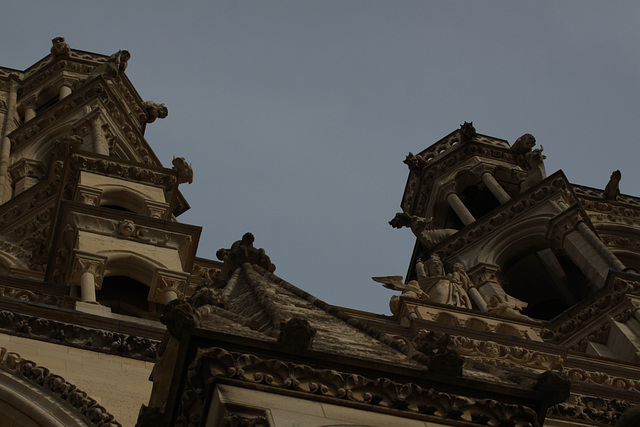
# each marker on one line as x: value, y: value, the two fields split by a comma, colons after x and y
x: 64, y: 91
x: 170, y: 295
x: 588, y: 234
x: 460, y: 209
x: 167, y: 285
x: 582, y: 246
x: 495, y: 188
x: 87, y: 272
x: 477, y: 299
x: 99, y: 141
x: 5, y: 146
x: 88, y: 286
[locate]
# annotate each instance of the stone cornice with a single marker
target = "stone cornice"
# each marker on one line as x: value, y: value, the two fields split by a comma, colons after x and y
x: 74, y: 217
x: 565, y: 329
x: 215, y: 363
x: 50, y: 384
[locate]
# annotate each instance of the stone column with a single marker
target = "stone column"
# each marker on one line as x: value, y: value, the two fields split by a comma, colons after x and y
x: 5, y: 145
x: 487, y: 284
x: 87, y: 272
x: 460, y: 209
x: 100, y: 145
x: 168, y: 285
x: 495, y: 188
x: 591, y: 237
x: 583, y: 247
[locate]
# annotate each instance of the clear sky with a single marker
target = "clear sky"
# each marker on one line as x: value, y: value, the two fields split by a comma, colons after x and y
x: 296, y: 115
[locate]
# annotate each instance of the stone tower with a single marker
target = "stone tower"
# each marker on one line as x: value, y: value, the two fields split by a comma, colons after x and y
x: 90, y: 245
x: 523, y: 269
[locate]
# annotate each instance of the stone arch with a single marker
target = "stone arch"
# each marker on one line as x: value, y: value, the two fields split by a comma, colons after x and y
x: 32, y: 395
x: 130, y: 264
x: 124, y: 197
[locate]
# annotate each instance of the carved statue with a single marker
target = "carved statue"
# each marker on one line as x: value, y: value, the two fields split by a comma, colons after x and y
x: 185, y: 172
x: 411, y: 290
x: 535, y: 169
x: 243, y: 251
x: 524, y: 144
x: 154, y: 111
x: 116, y: 64
x: 467, y: 131
x: 126, y: 228
x: 440, y: 287
x: 507, y: 306
x: 422, y: 228
x: 60, y: 48
x: 612, y: 190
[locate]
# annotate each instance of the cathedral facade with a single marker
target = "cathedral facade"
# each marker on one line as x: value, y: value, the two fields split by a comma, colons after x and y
x: 519, y: 306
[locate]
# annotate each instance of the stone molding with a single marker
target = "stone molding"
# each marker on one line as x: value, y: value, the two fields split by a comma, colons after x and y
x: 213, y: 363
x: 594, y: 312
x: 35, y: 327
x: 591, y: 409
x: 55, y: 385
x: 509, y: 356
x: 31, y: 296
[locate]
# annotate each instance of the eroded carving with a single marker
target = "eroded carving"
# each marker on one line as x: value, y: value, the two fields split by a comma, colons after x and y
x: 410, y: 290
x: 524, y: 144
x: 439, y: 286
x: 213, y: 362
x: 243, y: 251
x: 154, y: 111
x: 422, y: 228
x: 185, y: 172
x: 612, y: 190
x: 60, y: 48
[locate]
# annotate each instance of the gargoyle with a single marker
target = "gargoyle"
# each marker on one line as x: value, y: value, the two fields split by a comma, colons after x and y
x: 612, y: 190
x: 422, y: 228
x: 60, y: 48
x: 524, y: 144
x: 154, y: 111
x: 467, y: 132
x: 185, y: 172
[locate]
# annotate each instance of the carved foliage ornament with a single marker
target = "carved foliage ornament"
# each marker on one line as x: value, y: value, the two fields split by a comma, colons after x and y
x: 382, y: 392
x: 77, y: 336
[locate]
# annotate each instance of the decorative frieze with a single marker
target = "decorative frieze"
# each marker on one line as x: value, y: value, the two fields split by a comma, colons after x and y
x: 509, y: 356
x: 216, y: 362
x: 74, y: 335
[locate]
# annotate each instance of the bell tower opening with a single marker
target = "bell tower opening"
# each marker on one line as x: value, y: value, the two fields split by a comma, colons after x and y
x: 548, y: 290
x: 127, y: 296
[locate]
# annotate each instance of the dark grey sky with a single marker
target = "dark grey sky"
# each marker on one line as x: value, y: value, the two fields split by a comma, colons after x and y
x: 296, y: 115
